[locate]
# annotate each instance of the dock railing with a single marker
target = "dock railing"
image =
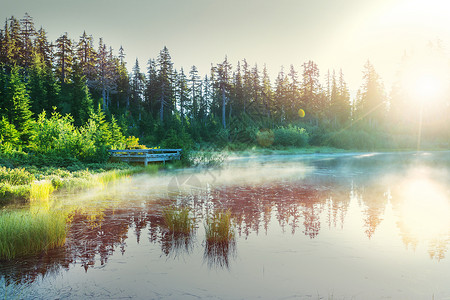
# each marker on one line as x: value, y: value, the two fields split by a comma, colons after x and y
x: 146, y: 155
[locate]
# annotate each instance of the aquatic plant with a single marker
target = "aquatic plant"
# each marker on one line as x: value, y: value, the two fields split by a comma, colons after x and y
x: 25, y: 232
x: 220, y: 239
x: 219, y: 227
x: 177, y: 220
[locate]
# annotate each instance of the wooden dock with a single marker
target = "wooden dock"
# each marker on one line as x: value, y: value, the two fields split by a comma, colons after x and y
x: 146, y: 155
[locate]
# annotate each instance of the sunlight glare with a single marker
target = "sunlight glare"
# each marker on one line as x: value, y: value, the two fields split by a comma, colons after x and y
x: 425, y: 209
x: 428, y: 86
x: 424, y: 79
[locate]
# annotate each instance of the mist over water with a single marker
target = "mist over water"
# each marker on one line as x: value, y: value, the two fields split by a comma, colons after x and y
x: 359, y: 226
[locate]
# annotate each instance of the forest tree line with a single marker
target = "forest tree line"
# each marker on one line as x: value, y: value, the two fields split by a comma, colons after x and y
x: 165, y: 106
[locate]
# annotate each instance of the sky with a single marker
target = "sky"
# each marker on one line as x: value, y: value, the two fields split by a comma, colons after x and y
x: 335, y: 34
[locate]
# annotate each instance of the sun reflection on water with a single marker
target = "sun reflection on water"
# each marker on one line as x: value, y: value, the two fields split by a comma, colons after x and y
x: 424, y: 213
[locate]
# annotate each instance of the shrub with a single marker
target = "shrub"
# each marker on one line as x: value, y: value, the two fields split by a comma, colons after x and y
x: 265, y: 138
x: 290, y: 136
x: 17, y: 176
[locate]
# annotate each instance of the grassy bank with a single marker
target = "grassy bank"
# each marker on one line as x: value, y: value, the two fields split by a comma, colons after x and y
x: 32, y: 183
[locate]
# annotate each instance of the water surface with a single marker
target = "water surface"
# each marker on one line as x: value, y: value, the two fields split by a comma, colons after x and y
x: 344, y: 226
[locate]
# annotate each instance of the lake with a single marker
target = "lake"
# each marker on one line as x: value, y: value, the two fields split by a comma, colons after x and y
x: 319, y: 226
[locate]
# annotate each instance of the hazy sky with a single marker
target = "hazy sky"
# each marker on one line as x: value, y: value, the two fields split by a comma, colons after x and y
x: 334, y: 33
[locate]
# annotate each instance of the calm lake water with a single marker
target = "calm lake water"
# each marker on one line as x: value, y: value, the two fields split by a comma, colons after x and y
x: 346, y: 226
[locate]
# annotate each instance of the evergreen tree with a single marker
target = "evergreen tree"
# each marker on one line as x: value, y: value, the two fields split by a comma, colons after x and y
x: 82, y: 104
x: 183, y: 96
x: 27, y: 33
x: 293, y: 101
x: 281, y: 95
x: 64, y: 57
x: 15, y: 46
x: 165, y: 82
x: 223, y: 86
x: 151, y: 89
x: 18, y: 105
x: 267, y: 93
x: 87, y: 57
x: 43, y: 48
x: 312, y: 97
x: 194, y: 91
x: 137, y: 89
x: 372, y: 105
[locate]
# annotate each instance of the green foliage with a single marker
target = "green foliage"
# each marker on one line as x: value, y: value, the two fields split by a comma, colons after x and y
x: 9, y: 136
x: 56, y: 141
x: 265, y: 138
x: 17, y: 176
x: 25, y: 232
x: 357, y: 139
x: 290, y: 136
x: 17, y: 105
x: 132, y: 142
x: 41, y: 191
x: 177, y: 140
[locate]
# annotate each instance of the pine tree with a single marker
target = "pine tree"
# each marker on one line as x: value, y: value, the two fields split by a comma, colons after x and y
x: 43, y: 48
x: 313, y: 99
x: 82, y: 104
x: 15, y: 46
x: 194, y: 91
x: 18, y: 105
x: 87, y: 57
x: 183, y: 96
x: 372, y: 106
x: 27, y: 32
x: 165, y: 80
x: 64, y: 57
x: 151, y: 89
x: 137, y: 89
x: 223, y: 86
x: 281, y: 95
x: 267, y: 93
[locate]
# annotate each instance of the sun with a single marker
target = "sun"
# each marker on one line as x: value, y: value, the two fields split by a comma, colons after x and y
x: 424, y: 79
x: 427, y: 86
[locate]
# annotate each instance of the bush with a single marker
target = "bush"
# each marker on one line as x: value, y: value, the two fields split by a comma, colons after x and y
x: 15, y: 176
x: 290, y: 136
x: 356, y: 139
x: 265, y: 138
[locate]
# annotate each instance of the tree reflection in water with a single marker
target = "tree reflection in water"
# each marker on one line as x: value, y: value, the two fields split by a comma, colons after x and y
x: 307, y: 206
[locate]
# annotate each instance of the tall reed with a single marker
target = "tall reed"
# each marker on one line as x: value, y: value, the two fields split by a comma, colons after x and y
x: 219, y: 227
x: 220, y: 239
x: 178, y: 220
x: 25, y: 232
x: 41, y: 191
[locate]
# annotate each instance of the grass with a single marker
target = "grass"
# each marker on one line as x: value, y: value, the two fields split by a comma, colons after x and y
x: 21, y: 184
x: 220, y: 239
x: 26, y: 233
x: 178, y: 221
x: 41, y: 191
x: 219, y: 228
